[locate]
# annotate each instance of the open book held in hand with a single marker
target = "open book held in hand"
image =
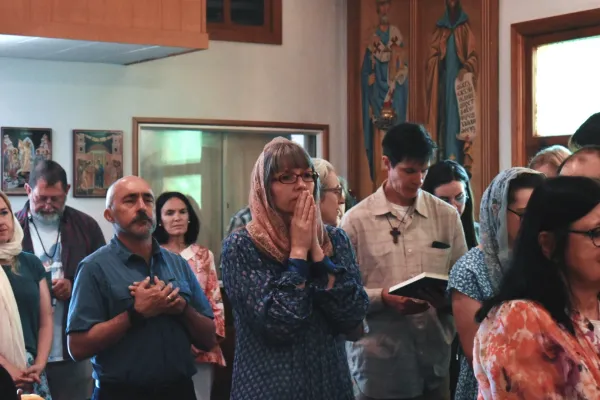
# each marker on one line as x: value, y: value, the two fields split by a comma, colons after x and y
x: 426, y: 280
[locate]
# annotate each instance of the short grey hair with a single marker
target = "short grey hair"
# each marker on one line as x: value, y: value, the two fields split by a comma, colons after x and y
x: 553, y: 155
x: 323, y: 168
x: 110, y: 195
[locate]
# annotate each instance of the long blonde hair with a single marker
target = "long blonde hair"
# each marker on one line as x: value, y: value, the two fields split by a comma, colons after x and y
x: 12, y: 342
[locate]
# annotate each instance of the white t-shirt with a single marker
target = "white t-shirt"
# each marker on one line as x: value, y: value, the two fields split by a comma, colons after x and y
x: 47, y: 235
x: 402, y: 213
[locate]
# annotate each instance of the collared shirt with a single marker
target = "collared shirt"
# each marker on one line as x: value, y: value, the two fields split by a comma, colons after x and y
x: 154, y: 353
x: 402, y: 356
x: 80, y: 236
x: 239, y: 220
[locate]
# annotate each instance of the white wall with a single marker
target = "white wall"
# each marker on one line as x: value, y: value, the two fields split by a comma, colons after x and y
x: 304, y: 80
x: 513, y: 11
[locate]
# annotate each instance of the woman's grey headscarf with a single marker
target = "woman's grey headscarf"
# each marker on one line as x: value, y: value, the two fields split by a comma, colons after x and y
x: 492, y: 219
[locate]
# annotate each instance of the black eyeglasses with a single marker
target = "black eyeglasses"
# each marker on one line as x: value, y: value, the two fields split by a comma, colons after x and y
x: 460, y: 198
x: 593, y: 234
x: 291, y: 178
x: 520, y: 215
x: 338, y: 191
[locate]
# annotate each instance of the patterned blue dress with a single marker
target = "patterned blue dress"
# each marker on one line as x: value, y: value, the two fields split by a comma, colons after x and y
x: 469, y: 276
x: 289, y: 340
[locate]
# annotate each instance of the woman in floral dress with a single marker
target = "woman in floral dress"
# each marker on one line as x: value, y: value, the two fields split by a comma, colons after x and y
x: 476, y: 275
x: 538, y: 337
x: 177, y: 231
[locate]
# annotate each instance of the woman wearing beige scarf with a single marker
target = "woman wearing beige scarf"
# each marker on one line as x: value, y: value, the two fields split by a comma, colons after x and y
x: 294, y: 287
x: 26, y: 331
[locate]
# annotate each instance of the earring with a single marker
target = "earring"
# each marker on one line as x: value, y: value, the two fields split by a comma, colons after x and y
x: 159, y: 224
x: 189, y: 222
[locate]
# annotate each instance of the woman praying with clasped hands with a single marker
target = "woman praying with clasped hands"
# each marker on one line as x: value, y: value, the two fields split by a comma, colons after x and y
x: 294, y: 286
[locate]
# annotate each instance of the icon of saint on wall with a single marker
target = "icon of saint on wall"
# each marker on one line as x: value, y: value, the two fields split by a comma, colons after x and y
x: 452, y: 72
x: 384, y: 78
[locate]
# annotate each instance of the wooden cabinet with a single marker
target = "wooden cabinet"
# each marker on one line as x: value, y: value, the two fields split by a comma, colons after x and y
x: 172, y: 23
x: 254, y: 21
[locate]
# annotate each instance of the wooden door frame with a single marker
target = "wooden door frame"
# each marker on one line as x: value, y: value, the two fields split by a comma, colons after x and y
x: 525, y: 36
x: 137, y: 121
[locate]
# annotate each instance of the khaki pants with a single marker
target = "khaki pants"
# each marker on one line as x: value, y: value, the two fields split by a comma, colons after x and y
x: 440, y: 393
x: 70, y: 380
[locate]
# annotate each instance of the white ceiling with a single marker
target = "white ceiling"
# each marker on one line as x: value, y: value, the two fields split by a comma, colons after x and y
x: 81, y: 51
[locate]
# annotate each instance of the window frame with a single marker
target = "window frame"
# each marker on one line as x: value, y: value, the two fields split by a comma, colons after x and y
x: 268, y: 33
x: 525, y: 38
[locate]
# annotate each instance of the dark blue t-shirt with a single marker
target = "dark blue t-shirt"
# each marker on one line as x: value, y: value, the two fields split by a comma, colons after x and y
x: 154, y: 353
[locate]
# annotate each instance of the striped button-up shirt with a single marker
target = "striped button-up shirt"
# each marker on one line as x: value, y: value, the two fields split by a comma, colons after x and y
x: 402, y: 356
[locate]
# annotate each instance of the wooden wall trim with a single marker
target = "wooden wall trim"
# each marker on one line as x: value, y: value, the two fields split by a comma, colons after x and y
x: 524, y: 37
x: 518, y: 85
x: 355, y: 137
x: 490, y: 123
x: 137, y: 121
x: 414, y: 75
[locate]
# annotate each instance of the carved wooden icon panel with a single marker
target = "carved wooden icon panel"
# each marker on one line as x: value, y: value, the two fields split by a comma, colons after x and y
x: 432, y: 62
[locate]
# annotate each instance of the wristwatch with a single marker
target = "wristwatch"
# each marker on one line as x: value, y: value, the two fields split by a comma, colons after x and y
x: 135, y: 318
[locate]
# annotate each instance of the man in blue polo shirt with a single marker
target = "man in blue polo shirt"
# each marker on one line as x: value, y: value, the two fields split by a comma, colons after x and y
x: 137, y: 308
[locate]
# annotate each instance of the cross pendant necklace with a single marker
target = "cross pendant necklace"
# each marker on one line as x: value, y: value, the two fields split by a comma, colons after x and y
x: 395, y: 231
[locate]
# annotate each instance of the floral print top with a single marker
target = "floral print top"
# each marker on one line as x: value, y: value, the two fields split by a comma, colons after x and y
x: 520, y: 352
x: 469, y: 276
x: 202, y: 262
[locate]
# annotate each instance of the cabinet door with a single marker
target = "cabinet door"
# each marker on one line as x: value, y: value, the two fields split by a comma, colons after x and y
x: 173, y: 23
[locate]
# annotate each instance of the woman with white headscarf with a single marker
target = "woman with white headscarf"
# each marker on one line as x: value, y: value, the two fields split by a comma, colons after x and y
x: 25, y: 306
x: 476, y: 276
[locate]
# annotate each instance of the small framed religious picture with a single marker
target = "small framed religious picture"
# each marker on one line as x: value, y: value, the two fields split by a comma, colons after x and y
x: 22, y: 149
x: 97, y: 161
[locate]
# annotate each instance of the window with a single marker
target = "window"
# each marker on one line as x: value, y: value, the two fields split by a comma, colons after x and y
x: 256, y: 21
x: 554, y: 80
x: 210, y: 164
x: 565, y: 92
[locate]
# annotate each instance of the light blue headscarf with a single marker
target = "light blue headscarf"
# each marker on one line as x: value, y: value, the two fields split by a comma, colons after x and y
x: 492, y: 220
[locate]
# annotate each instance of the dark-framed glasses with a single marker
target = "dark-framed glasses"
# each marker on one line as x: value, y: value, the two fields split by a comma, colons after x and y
x: 593, y: 234
x: 518, y: 214
x: 338, y: 191
x: 289, y: 178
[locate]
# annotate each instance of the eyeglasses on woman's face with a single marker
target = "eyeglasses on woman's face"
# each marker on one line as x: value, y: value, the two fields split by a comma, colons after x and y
x: 593, y: 234
x: 289, y: 178
x: 338, y: 191
x: 519, y: 214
